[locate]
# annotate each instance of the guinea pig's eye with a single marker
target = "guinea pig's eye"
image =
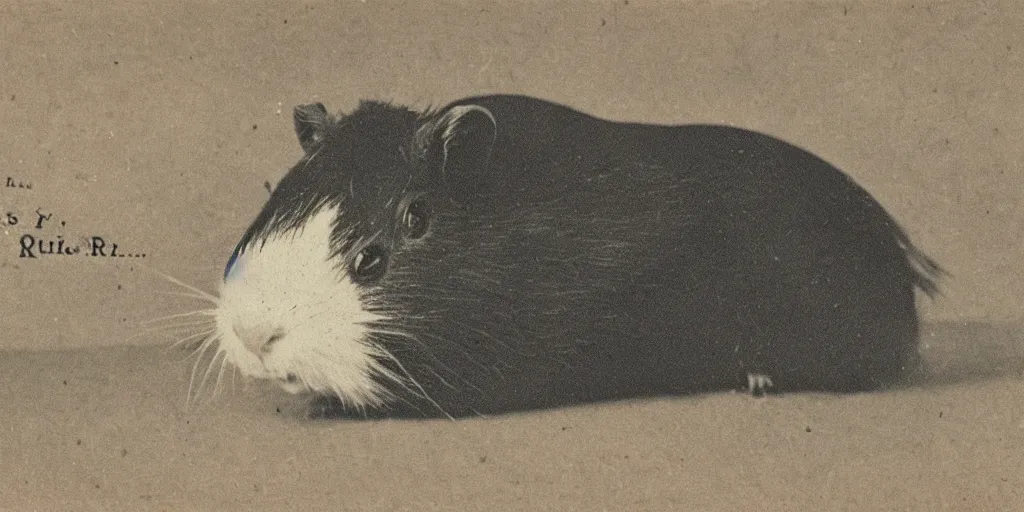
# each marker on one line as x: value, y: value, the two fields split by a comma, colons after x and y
x: 416, y: 219
x: 370, y: 264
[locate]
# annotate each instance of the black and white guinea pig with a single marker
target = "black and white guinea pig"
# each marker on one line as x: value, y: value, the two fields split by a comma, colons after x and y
x: 504, y: 253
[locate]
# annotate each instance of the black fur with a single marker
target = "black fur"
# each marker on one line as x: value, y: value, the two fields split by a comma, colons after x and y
x: 593, y: 260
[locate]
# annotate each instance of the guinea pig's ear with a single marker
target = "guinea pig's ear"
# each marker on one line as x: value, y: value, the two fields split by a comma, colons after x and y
x: 467, y: 135
x: 310, y: 122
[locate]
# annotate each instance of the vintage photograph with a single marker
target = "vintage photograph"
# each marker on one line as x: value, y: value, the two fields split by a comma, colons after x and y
x: 533, y: 255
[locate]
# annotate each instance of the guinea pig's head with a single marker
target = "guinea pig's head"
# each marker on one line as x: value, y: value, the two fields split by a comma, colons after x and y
x: 295, y: 303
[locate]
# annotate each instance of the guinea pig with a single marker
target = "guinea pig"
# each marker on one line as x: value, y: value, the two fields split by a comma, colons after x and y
x: 505, y: 253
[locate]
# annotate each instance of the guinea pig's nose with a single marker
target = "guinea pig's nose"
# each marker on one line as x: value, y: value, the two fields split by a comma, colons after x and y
x: 258, y: 338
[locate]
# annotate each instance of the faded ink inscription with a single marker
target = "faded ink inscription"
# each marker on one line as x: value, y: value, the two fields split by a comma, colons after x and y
x: 40, y: 233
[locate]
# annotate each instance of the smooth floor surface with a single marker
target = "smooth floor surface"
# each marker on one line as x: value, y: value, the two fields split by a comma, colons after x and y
x: 107, y: 429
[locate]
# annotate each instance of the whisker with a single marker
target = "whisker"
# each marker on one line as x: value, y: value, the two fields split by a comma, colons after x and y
x: 204, y: 346
x: 189, y: 295
x: 403, y: 399
x: 442, y: 342
x: 180, y: 325
x: 208, y: 372
x: 176, y: 328
x: 191, y: 379
x: 491, y: 337
x: 220, y: 376
x: 440, y: 378
x: 174, y: 331
x: 187, y: 339
x: 412, y: 338
x: 200, y: 312
x: 201, y: 351
x: 209, y: 296
x: 413, y: 380
x: 163, y: 330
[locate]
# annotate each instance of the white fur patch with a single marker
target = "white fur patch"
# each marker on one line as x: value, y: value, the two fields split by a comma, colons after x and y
x: 291, y: 291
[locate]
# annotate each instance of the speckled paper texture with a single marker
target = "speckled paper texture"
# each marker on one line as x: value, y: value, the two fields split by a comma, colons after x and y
x: 136, y: 140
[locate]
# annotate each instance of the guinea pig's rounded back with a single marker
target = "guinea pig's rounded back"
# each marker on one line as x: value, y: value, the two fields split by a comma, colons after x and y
x: 462, y: 261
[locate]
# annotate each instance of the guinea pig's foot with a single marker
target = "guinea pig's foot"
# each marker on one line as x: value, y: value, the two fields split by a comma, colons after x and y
x: 758, y: 384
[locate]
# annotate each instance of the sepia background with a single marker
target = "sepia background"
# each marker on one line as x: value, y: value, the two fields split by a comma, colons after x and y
x: 155, y: 126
